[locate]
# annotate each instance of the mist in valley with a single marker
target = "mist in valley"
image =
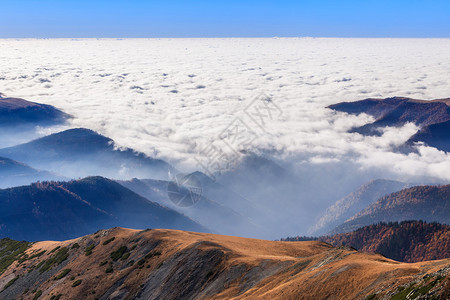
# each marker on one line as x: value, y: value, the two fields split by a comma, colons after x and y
x: 284, y: 156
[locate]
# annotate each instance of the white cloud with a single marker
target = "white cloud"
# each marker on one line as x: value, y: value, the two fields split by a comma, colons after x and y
x: 171, y: 97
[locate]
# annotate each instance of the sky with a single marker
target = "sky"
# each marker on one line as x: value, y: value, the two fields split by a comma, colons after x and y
x: 231, y: 18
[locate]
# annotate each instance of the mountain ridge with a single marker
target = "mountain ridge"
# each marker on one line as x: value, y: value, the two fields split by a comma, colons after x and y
x: 169, y: 264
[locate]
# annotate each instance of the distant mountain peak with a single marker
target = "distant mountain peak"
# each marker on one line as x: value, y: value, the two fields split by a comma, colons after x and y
x: 81, y: 132
x: 78, y: 136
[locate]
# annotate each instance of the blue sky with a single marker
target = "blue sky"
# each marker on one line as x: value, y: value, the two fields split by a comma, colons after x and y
x: 231, y: 18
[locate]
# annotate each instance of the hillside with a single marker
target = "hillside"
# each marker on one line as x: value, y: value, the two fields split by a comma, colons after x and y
x: 354, y: 203
x: 18, y: 112
x: 82, y: 152
x: 428, y: 203
x: 63, y: 210
x: 408, y: 241
x: 167, y: 264
x: 396, y: 111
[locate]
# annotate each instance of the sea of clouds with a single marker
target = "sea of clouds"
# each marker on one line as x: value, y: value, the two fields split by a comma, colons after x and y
x: 173, y: 98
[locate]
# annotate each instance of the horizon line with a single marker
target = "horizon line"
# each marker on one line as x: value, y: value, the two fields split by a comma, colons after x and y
x: 233, y: 37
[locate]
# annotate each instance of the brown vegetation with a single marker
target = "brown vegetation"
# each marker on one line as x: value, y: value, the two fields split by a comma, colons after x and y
x: 170, y: 264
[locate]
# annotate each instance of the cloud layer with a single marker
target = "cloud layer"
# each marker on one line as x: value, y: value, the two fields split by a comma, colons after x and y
x: 171, y: 98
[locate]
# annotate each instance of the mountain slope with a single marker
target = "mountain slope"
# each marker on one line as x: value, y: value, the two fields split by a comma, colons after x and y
x: 167, y: 264
x: 408, y: 241
x: 82, y: 152
x: 354, y: 203
x: 62, y: 210
x: 428, y: 203
x: 396, y: 111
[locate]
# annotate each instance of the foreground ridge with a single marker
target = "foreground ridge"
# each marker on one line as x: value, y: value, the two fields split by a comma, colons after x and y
x: 169, y: 264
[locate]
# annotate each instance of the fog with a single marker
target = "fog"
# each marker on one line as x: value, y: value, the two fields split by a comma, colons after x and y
x: 173, y: 99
